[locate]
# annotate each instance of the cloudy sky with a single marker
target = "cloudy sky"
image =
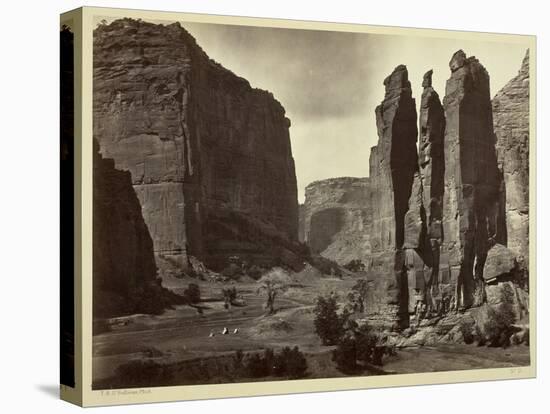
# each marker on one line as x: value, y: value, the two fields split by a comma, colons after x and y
x: 331, y: 82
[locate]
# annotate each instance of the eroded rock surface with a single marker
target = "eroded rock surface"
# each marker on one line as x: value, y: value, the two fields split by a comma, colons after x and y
x: 337, y: 219
x: 511, y: 126
x: 471, y: 177
x: 209, y: 156
x: 393, y: 165
x: 123, y: 257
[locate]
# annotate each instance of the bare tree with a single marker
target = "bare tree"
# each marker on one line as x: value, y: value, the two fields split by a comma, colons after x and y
x: 272, y: 283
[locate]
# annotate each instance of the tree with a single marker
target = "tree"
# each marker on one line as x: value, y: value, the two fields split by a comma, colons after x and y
x: 272, y: 283
x: 229, y: 296
x: 361, y: 289
x: 328, y: 324
x: 192, y: 294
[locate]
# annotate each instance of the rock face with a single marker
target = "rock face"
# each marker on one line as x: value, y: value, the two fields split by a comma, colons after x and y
x: 123, y: 257
x: 431, y: 160
x: 337, y: 219
x: 209, y: 156
x: 500, y: 265
x: 393, y: 166
x: 471, y: 178
x: 301, y: 223
x: 511, y: 126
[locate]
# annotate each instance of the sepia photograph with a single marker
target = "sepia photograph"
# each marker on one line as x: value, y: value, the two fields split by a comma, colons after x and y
x: 273, y: 204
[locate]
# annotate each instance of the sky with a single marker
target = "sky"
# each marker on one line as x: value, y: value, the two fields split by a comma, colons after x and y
x: 331, y: 82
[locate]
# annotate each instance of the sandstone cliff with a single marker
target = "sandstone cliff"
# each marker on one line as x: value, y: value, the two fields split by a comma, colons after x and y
x: 337, y: 219
x: 123, y: 259
x: 393, y: 165
x: 471, y: 177
x: 511, y: 126
x: 443, y: 223
x: 209, y: 156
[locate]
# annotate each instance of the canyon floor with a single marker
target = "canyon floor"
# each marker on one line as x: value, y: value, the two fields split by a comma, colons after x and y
x: 183, y: 334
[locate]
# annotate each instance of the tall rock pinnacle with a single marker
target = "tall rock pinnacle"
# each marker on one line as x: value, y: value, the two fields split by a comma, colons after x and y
x: 393, y: 165
x: 471, y: 177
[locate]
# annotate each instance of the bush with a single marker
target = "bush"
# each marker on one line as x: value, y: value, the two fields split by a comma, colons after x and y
x: 345, y: 355
x: 498, y: 327
x: 368, y: 349
x: 256, y: 366
x: 143, y: 373
x: 359, y: 345
x: 255, y: 272
x: 229, y: 295
x: 328, y: 324
x: 355, y: 265
x: 326, y: 266
x: 233, y: 271
x: 192, y: 294
x: 289, y: 362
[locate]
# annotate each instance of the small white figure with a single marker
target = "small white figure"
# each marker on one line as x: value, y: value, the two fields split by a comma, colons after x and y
x: 225, y: 331
x: 211, y: 334
x: 236, y: 331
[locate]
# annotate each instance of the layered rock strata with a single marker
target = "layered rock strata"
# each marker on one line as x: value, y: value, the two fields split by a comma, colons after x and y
x: 393, y: 166
x: 470, y: 202
x: 337, y: 219
x: 511, y: 126
x: 209, y: 156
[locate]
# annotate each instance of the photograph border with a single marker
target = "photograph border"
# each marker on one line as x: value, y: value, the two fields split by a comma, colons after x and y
x: 82, y: 21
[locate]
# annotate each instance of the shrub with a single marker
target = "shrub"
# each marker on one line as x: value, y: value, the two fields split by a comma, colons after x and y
x: 232, y: 271
x: 238, y: 362
x: 345, y: 355
x: 367, y: 344
x: 355, y: 265
x: 290, y: 362
x: 498, y: 327
x: 359, y: 294
x: 327, y: 323
x: 143, y: 373
x: 360, y: 344
x: 192, y: 294
x: 255, y: 272
x: 256, y: 366
x: 326, y: 266
x: 229, y: 295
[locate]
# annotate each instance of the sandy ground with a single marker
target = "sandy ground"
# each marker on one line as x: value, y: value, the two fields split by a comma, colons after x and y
x: 182, y: 333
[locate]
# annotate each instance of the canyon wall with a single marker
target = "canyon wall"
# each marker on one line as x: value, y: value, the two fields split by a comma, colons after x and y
x: 511, y: 126
x: 209, y: 156
x: 123, y: 258
x: 337, y: 219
